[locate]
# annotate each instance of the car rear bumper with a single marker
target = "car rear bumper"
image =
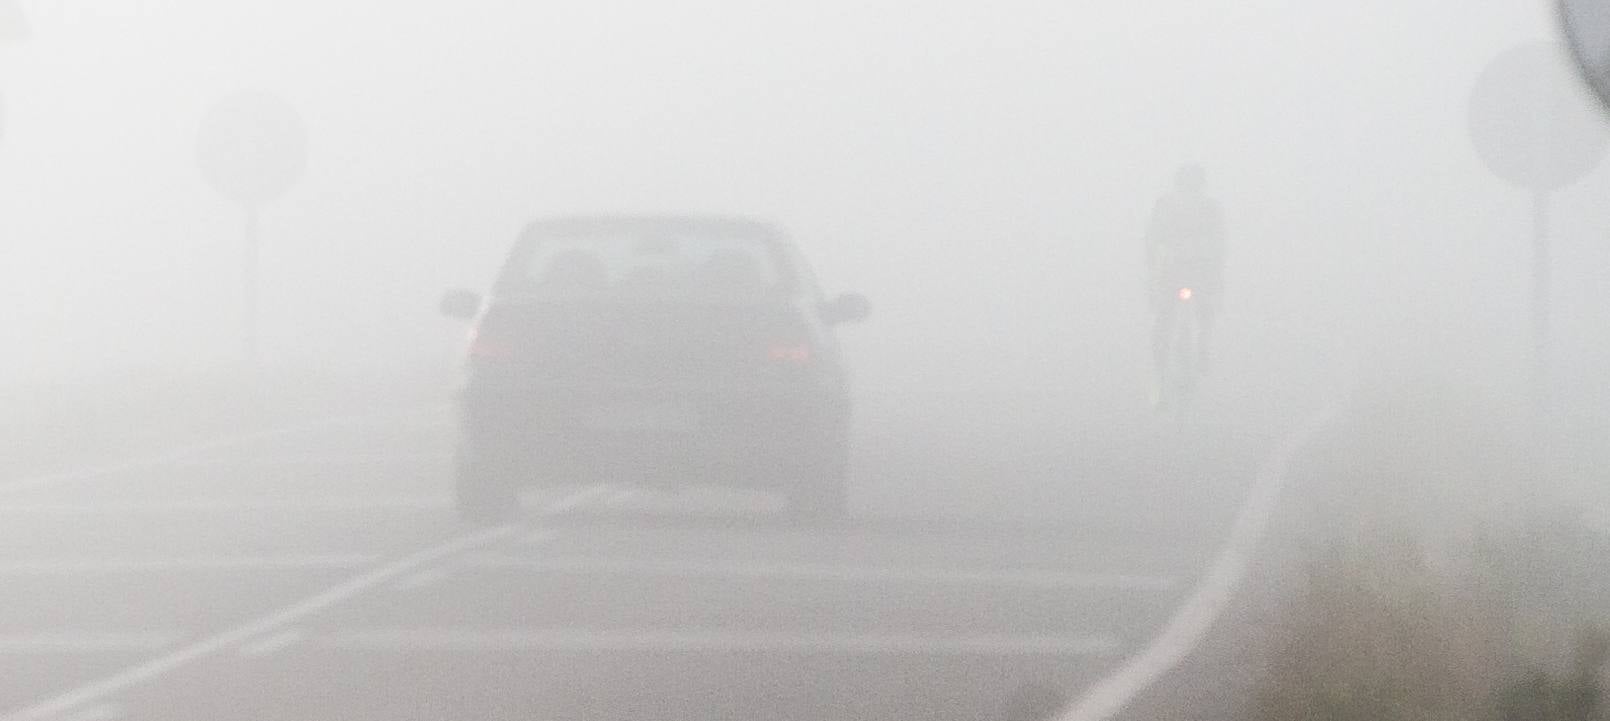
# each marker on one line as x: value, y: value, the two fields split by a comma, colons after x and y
x: 752, y: 435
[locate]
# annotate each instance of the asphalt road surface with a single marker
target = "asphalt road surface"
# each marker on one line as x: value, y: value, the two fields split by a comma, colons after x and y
x: 318, y: 573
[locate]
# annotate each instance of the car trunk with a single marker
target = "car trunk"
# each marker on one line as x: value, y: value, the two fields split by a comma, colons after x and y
x: 598, y: 342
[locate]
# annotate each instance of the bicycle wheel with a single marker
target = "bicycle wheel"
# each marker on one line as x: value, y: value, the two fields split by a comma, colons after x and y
x: 1184, y: 354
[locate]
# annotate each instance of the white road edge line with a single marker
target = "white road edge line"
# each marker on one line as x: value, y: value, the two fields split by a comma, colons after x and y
x: 1021, y: 578
x: 157, y: 667
x: 179, y: 454
x: 561, y: 639
x: 1190, y: 623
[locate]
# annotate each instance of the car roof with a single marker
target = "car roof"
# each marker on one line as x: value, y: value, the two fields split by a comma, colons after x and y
x: 688, y: 223
x: 768, y: 233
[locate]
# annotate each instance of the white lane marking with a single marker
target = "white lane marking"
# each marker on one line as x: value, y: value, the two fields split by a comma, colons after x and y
x: 87, y: 642
x: 82, y: 566
x: 538, y: 537
x: 182, y: 453
x: 619, y: 497
x: 1020, y: 578
x: 432, y: 417
x: 230, y: 505
x: 567, y: 639
x: 1190, y: 623
x: 355, y: 586
x: 103, y: 712
x: 316, y: 460
x: 271, y: 644
x: 422, y: 579
x: 164, y: 664
x: 574, y: 500
x: 702, y: 500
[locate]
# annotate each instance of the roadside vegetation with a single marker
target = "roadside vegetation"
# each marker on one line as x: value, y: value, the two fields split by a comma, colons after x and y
x: 1455, y: 569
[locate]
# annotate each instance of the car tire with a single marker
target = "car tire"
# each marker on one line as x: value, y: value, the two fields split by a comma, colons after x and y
x: 484, y: 494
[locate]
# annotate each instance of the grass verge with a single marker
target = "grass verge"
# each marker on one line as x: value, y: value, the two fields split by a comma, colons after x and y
x: 1449, y: 576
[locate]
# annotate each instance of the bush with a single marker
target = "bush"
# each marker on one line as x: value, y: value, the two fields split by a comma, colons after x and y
x: 1371, y: 639
x: 1443, y: 581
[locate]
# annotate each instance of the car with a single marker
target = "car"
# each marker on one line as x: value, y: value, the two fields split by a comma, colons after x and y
x: 664, y: 350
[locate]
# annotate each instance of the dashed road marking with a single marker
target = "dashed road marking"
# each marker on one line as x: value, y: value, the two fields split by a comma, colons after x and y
x: 715, y: 640
x: 41, y: 643
x: 1018, y: 578
x: 538, y: 537
x: 102, y: 712
x: 179, y: 658
x: 157, y: 667
x: 422, y: 579
x: 315, y: 460
x: 697, y: 500
x: 86, y: 566
x: 573, y: 501
x: 231, y: 505
x: 271, y: 644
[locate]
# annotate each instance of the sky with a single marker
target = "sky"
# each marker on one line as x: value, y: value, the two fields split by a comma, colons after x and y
x: 983, y: 171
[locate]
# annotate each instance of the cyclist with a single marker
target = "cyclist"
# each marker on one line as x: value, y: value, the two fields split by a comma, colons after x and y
x: 1185, y: 249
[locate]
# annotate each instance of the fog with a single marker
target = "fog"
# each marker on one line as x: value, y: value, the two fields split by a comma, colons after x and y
x: 983, y: 172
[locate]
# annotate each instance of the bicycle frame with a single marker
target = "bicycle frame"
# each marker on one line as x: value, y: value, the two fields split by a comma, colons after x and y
x: 1180, y: 370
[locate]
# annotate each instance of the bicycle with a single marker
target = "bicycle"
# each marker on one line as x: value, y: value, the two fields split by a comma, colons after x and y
x: 1179, y: 362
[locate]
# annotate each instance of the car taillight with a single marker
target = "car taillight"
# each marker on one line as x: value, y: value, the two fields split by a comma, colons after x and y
x: 791, y: 353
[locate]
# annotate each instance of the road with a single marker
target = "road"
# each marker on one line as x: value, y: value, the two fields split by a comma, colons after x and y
x: 318, y: 573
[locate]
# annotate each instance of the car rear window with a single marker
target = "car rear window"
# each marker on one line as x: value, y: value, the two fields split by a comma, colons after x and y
x: 619, y: 263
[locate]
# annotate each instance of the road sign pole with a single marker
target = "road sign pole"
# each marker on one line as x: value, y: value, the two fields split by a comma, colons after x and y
x: 1542, y: 271
x: 250, y: 278
x: 1533, y: 127
x: 252, y: 147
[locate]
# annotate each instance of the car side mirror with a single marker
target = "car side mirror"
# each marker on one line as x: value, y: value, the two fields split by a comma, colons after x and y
x: 847, y: 308
x: 461, y: 304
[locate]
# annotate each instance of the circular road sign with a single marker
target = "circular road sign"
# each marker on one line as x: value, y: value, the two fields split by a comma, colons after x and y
x: 252, y: 147
x: 1531, y: 123
x: 13, y: 23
